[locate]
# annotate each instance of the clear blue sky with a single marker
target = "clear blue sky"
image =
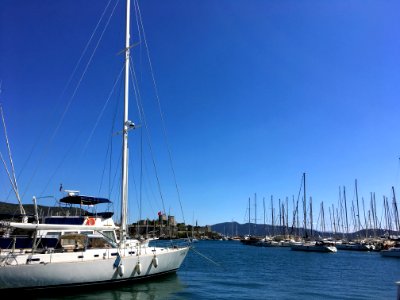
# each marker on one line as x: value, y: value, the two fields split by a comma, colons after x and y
x: 254, y: 93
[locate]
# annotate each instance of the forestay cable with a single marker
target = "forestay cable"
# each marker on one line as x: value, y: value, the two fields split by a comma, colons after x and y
x: 159, y: 107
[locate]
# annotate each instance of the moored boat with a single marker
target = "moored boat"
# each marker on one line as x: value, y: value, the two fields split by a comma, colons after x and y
x: 250, y: 240
x: 314, y: 246
x: 89, y: 249
x: 391, y: 252
x: 355, y: 246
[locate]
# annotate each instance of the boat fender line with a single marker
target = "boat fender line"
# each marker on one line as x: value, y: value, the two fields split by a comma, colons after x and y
x: 155, y: 261
x: 138, y: 268
x: 121, y: 270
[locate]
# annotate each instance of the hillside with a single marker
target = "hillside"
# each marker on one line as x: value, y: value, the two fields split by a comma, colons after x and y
x: 236, y: 229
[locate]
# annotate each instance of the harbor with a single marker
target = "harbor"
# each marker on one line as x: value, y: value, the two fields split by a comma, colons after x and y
x: 216, y: 150
x: 217, y: 269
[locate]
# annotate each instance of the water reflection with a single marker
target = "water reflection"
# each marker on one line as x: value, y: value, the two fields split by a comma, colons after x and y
x: 161, y: 288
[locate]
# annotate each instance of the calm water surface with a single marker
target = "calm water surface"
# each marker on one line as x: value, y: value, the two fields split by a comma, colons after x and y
x: 230, y: 270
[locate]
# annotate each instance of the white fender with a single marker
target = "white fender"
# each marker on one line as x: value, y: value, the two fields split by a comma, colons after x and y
x: 121, y: 270
x: 155, y: 262
x: 139, y: 268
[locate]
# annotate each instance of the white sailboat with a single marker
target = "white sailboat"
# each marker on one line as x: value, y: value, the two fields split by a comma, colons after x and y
x: 314, y: 246
x: 320, y: 245
x: 392, y: 251
x: 91, y: 250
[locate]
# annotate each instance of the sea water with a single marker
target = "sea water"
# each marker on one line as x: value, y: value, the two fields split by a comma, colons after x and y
x: 231, y: 270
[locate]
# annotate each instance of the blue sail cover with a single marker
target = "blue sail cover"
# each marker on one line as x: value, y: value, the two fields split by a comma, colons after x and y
x: 84, y: 200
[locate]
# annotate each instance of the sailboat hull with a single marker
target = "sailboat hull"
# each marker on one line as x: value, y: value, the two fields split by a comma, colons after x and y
x: 392, y: 252
x: 313, y: 248
x: 92, y: 267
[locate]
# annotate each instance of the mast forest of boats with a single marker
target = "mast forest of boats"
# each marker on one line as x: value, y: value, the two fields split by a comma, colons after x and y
x: 347, y: 226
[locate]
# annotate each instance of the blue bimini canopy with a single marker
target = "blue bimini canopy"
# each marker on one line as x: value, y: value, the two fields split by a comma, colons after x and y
x: 84, y: 200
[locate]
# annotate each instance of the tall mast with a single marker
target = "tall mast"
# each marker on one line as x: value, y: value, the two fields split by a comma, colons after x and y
x: 294, y: 215
x: 311, y: 218
x: 249, y: 219
x: 279, y: 216
x: 332, y: 229
x: 345, y: 210
x: 358, y: 210
x: 365, y: 218
x: 272, y: 216
x: 265, y: 231
x: 395, y: 212
x: 373, y: 211
x: 126, y: 125
x: 287, y: 215
x: 305, y: 204
x: 255, y: 214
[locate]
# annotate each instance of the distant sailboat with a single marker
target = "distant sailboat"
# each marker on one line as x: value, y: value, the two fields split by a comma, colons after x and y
x: 391, y: 252
x: 311, y: 245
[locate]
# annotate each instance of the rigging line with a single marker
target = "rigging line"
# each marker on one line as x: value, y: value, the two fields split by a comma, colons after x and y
x: 104, y: 169
x: 154, y: 164
x: 202, y: 255
x: 115, y: 174
x: 118, y: 196
x: 135, y: 186
x: 149, y: 194
x: 71, y: 146
x: 301, y: 188
x: 12, y: 179
x: 139, y: 36
x: 149, y: 186
x: 101, y: 112
x: 111, y: 155
x: 298, y: 198
x: 24, y: 164
x: 131, y: 174
x: 142, y: 118
x: 110, y: 148
x: 136, y: 92
x: 136, y: 191
x: 85, y: 69
x: 110, y: 187
x: 109, y: 151
x: 159, y: 107
x: 85, y: 49
x: 66, y: 86
x: 114, y: 179
x: 72, y: 97
x: 148, y: 190
x: 9, y: 177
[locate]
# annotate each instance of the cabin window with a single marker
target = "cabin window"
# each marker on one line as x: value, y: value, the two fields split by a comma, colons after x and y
x: 87, y: 232
x: 110, y: 235
x: 98, y: 242
x: 52, y: 234
x: 71, y: 242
